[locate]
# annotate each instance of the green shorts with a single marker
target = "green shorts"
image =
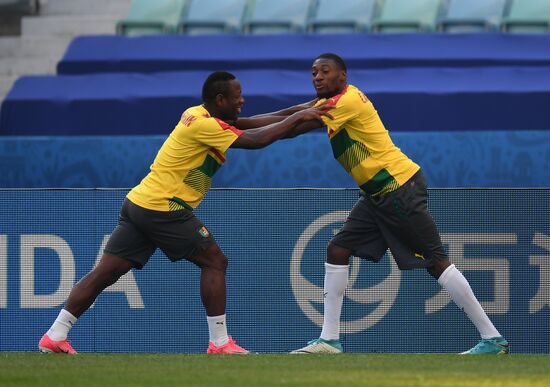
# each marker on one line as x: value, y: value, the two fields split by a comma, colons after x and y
x: 399, y: 221
x: 179, y: 234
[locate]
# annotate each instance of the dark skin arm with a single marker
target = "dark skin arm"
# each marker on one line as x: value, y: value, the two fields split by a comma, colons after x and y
x: 260, y: 120
x: 290, y: 110
x: 304, y: 128
x: 261, y: 137
x: 247, y: 123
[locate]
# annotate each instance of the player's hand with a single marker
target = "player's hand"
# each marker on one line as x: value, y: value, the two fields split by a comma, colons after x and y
x: 315, y: 112
x: 310, y: 103
x: 305, y: 105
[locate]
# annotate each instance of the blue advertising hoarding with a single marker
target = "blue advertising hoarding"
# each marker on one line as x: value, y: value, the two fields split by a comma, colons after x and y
x: 275, y: 241
x: 460, y: 159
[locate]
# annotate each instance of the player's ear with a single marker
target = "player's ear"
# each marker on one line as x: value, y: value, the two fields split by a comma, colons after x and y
x: 220, y: 99
x: 343, y: 76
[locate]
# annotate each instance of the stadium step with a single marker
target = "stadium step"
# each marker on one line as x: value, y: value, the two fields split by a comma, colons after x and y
x: 23, y: 66
x: 69, y: 26
x: 114, y: 8
x: 34, y: 46
x: 6, y: 82
x: 9, y: 46
x: 43, y: 46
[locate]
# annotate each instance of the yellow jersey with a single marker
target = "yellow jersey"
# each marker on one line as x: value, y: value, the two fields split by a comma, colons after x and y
x: 182, y: 171
x: 362, y: 145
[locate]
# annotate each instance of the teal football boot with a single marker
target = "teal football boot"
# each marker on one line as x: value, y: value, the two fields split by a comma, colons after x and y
x: 492, y: 346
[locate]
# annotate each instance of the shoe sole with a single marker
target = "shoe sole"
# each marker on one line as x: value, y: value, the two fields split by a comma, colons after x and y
x: 501, y: 352
x: 304, y: 352
x: 48, y: 350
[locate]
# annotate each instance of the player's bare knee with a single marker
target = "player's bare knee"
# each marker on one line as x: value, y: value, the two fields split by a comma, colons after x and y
x: 219, y: 262
x: 337, y: 255
x: 438, y: 268
x: 216, y: 259
x: 431, y: 270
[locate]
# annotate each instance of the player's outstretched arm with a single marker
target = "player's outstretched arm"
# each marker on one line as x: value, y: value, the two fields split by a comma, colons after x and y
x: 289, y: 110
x: 304, y: 128
x: 246, y: 123
x: 265, y: 119
x: 263, y: 136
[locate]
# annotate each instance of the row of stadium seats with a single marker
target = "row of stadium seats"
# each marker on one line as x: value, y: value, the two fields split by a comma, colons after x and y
x: 422, y: 82
x: 280, y: 16
x: 162, y: 53
x: 410, y: 99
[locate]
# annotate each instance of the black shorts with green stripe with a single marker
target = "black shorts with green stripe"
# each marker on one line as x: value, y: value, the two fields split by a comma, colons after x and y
x: 399, y: 221
x: 140, y: 231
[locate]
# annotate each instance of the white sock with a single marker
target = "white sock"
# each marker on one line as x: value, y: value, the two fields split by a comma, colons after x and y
x: 461, y: 293
x: 61, y: 326
x: 336, y: 282
x: 217, y: 330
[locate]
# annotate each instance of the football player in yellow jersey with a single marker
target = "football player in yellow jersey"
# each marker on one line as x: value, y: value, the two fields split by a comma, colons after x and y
x: 391, y: 213
x: 157, y: 213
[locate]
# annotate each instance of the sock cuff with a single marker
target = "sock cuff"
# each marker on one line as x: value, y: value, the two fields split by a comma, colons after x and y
x: 66, y: 315
x: 444, y: 277
x: 216, y: 318
x: 330, y: 268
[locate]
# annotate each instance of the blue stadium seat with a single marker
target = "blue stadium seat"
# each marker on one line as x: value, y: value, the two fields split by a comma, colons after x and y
x: 407, y: 16
x: 528, y: 16
x: 277, y: 16
x: 213, y: 16
x: 473, y: 15
x: 148, y: 17
x: 342, y: 16
x: 479, y: 98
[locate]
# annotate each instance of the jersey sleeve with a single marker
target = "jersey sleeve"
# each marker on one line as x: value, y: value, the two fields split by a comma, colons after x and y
x: 217, y: 134
x: 343, y: 111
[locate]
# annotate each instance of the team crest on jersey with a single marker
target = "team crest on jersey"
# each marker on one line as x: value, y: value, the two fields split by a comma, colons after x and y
x: 204, y: 232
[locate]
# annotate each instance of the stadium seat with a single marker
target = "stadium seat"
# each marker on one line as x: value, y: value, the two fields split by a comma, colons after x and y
x: 213, y: 16
x: 407, y: 16
x: 277, y: 16
x: 528, y: 16
x: 148, y: 17
x: 472, y: 15
x: 342, y: 16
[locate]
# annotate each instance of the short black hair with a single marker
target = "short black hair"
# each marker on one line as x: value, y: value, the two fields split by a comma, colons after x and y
x: 339, y: 61
x: 216, y: 83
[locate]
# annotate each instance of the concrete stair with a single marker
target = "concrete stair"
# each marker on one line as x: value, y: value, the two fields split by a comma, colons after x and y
x: 68, y: 26
x: 116, y: 8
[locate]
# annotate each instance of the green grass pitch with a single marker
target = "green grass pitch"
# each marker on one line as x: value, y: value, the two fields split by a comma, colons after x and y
x: 95, y: 369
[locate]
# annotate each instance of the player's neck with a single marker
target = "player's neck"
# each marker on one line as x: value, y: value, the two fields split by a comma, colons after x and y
x: 338, y: 92
x: 212, y: 111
